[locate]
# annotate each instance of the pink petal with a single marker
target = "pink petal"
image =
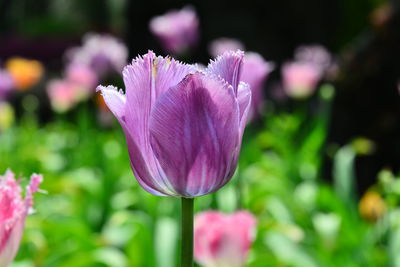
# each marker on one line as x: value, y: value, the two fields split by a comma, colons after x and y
x: 244, y: 99
x: 13, y: 211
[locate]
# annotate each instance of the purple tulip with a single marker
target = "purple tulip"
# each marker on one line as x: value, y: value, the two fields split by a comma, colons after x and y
x: 177, y: 30
x: 6, y: 84
x: 255, y: 72
x: 183, y: 127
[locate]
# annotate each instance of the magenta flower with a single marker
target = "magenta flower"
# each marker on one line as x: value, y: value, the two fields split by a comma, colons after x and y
x: 222, y: 45
x: 177, y: 30
x: 223, y: 240
x: 255, y: 72
x: 103, y: 53
x: 6, y: 84
x: 13, y: 211
x: 300, y: 79
x: 183, y: 127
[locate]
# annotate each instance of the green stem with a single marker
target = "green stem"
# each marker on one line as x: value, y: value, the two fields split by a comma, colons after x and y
x: 187, y: 232
x: 239, y: 190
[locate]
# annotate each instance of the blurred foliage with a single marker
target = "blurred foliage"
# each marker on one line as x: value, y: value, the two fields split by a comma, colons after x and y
x: 95, y: 214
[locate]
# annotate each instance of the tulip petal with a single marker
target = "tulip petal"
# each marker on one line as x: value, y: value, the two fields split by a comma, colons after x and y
x: 228, y: 67
x: 142, y: 170
x: 244, y: 100
x: 115, y: 100
x: 13, y: 211
x: 194, y: 134
x: 11, y: 241
x: 145, y: 79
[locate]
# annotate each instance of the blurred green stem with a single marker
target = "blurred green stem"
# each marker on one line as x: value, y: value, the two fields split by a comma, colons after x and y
x: 187, y: 232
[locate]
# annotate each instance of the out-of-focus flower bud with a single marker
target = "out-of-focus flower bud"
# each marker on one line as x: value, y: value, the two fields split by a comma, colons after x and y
x: 372, y: 206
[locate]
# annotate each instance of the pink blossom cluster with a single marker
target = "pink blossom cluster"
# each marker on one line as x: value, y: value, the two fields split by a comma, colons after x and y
x: 98, y: 56
x: 302, y: 75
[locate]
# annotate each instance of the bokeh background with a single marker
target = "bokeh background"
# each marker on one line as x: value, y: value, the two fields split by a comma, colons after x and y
x: 320, y: 174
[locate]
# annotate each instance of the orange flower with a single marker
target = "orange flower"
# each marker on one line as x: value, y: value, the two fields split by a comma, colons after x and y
x: 371, y: 206
x: 26, y: 73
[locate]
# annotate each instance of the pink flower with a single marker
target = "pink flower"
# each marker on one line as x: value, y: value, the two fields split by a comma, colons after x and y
x: 82, y: 75
x: 222, y: 45
x: 300, y: 78
x: 103, y: 53
x: 13, y: 211
x: 177, y: 30
x: 255, y: 72
x: 63, y: 95
x: 314, y: 54
x: 223, y: 240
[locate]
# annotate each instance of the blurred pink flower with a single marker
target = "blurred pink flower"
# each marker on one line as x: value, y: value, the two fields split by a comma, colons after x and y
x: 177, y: 30
x: 221, y: 45
x: 82, y: 75
x: 223, y: 240
x: 13, y: 211
x: 255, y: 71
x: 63, y: 95
x: 6, y: 84
x: 103, y: 53
x: 314, y: 54
x: 300, y: 78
